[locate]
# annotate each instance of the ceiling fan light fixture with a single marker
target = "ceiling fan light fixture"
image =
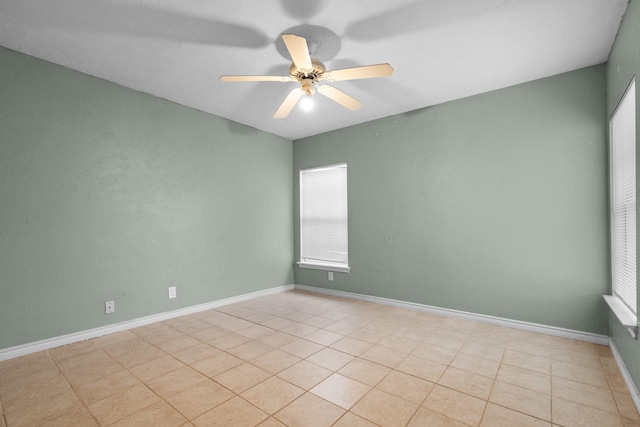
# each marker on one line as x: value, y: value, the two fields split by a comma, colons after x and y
x: 306, y: 103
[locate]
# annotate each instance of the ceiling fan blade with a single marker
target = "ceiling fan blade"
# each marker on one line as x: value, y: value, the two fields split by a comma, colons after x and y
x: 287, y: 105
x: 355, y: 73
x: 299, y: 51
x: 340, y: 97
x: 282, y: 79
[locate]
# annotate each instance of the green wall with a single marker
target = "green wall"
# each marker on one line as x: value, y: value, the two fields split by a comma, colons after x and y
x: 624, y: 63
x: 111, y: 194
x: 494, y: 204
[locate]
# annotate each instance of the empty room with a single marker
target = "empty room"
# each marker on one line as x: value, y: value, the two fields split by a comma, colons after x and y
x: 288, y: 213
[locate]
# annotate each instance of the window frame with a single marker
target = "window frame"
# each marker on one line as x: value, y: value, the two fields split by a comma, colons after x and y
x: 322, y: 264
x: 621, y: 301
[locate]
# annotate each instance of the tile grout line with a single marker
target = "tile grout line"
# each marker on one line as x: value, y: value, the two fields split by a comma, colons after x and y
x: 615, y: 399
x: 493, y: 384
x: 4, y: 419
x: 172, y: 356
x: 212, y: 379
x: 128, y: 370
x: 551, y: 393
x: 75, y: 394
x: 189, y: 365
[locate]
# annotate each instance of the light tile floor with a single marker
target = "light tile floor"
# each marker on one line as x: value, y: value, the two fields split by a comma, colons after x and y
x: 301, y: 359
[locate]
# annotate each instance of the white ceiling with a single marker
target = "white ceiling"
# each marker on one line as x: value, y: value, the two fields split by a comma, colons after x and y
x: 441, y: 50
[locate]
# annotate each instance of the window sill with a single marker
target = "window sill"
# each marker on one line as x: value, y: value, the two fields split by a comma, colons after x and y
x: 340, y: 268
x: 628, y: 319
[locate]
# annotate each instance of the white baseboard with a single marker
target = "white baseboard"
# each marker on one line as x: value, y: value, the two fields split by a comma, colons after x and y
x: 33, y: 347
x: 499, y: 321
x: 633, y: 390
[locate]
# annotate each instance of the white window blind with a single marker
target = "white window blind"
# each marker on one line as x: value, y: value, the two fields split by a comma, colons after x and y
x: 623, y: 162
x: 324, y: 217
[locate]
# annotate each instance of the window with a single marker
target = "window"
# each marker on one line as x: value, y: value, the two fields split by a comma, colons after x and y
x: 623, y: 202
x: 324, y: 241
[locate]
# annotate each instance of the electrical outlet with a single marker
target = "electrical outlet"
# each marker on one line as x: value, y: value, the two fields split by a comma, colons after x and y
x: 172, y: 292
x: 330, y: 276
x: 109, y: 307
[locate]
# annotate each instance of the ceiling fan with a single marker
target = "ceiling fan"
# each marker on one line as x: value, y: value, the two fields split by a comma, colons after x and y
x: 308, y: 71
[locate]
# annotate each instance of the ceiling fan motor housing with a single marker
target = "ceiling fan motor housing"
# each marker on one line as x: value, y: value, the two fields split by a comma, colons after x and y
x: 314, y: 74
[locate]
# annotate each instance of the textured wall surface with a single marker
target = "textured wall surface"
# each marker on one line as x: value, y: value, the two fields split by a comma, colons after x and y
x: 111, y: 194
x: 624, y: 63
x: 494, y: 204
